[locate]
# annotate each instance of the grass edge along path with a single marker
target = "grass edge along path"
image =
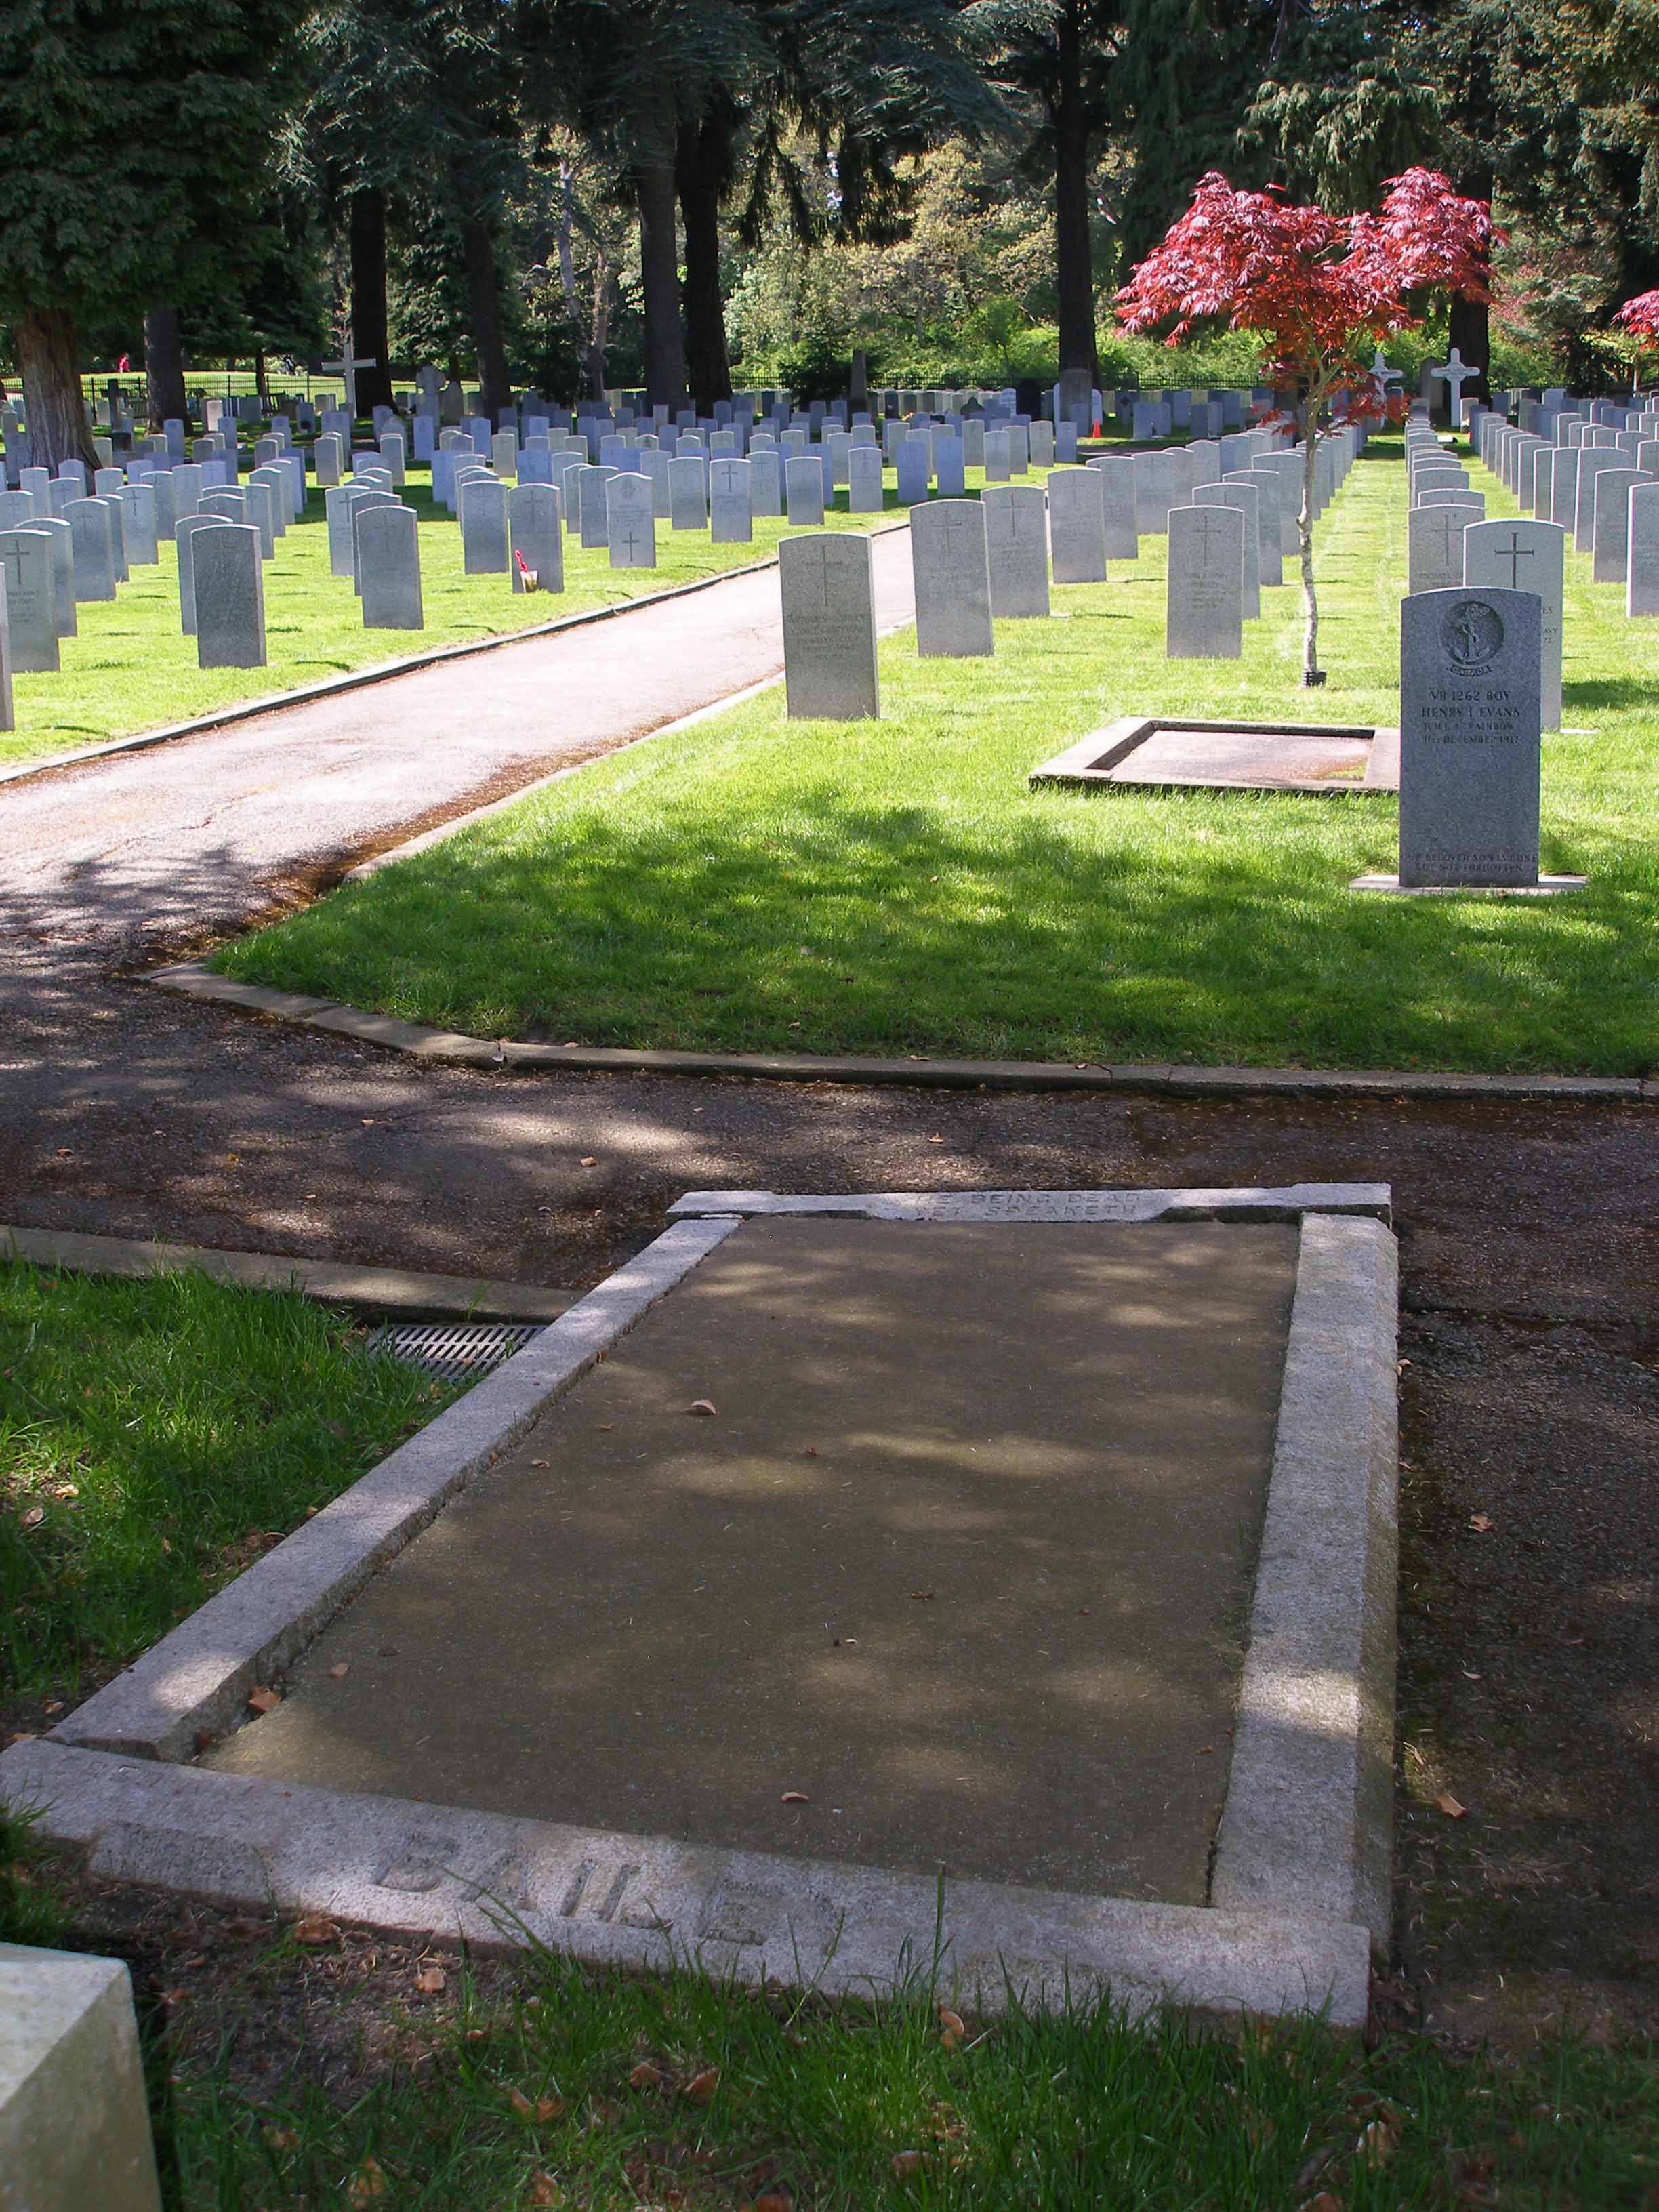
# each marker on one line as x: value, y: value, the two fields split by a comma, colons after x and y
x: 130, y: 671
x: 893, y: 888
x: 156, y: 1436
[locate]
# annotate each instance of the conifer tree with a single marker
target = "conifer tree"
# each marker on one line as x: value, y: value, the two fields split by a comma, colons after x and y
x: 137, y: 135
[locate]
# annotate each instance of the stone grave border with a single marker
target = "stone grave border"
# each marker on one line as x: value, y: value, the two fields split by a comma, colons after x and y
x: 1301, y: 1890
x: 383, y: 671
x: 1088, y: 764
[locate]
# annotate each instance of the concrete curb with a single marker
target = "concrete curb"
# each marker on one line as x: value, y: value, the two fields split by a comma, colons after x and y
x: 1308, y: 1827
x: 383, y: 671
x: 435, y: 1871
x: 1295, y: 1201
x: 197, y: 1678
x: 193, y: 979
x: 331, y: 1282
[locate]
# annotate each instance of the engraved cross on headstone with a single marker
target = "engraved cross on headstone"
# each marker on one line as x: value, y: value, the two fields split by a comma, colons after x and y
x: 1514, y: 553
x: 13, y: 557
x: 1207, y: 528
x: 822, y: 555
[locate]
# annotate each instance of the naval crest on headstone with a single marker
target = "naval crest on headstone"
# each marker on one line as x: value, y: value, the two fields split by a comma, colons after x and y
x: 1473, y: 633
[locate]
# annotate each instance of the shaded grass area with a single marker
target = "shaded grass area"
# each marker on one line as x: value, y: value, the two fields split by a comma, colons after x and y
x: 896, y: 886
x: 131, y: 668
x: 155, y: 1438
x: 601, y: 2092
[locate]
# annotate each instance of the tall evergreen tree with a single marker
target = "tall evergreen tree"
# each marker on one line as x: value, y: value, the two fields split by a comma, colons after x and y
x: 125, y: 128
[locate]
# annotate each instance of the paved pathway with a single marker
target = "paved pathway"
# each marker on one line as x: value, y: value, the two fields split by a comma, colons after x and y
x: 203, y: 831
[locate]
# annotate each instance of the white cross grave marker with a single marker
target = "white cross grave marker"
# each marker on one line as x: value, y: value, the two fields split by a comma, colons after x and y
x: 1383, y: 376
x: 1454, y: 373
x: 347, y: 369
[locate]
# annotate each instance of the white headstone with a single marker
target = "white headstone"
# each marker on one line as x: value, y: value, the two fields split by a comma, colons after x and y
x: 951, y: 568
x: 1469, y: 738
x: 1204, y: 618
x: 829, y: 627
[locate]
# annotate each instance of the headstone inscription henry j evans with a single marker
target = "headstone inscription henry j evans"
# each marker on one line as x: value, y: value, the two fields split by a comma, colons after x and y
x: 1470, y: 738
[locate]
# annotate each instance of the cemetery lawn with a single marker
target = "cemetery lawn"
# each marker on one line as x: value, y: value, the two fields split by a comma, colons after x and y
x: 131, y: 668
x: 573, y: 2088
x: 155, y: 1438
x: 895, y: 887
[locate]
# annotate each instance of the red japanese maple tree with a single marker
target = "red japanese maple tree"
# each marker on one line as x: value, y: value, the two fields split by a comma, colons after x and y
x: 1639, y: 320
x: 1322, y: 290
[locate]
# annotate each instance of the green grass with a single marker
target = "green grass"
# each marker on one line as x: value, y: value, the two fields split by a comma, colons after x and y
x: 896, y: 887
x: 155, y: 1437
x: 573, y: 2094
x: 131, y: 668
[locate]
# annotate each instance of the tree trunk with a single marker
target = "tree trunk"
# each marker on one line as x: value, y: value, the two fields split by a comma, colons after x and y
x: 261, y: 377
x: 484, y: 298
x: 368, y: 318
x: 49, y: 358
x: 164, y: 367
x: 1470, y: 331
x: 659, y: 281
x: 1074, y: 267
x: 697, y: 176
x: 600, y: 330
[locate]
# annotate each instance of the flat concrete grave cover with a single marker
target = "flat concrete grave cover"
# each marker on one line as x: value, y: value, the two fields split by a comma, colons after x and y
x: 1040, y: 1540
x: 1161, y: 752
x: 965, y: 1555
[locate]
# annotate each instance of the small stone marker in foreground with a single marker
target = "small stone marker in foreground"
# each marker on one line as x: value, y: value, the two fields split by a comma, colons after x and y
x: 951, y: 570
x: 73, y: 2122
x: 1204, y: 618
x: 829, y: 627
x: 230, y: 596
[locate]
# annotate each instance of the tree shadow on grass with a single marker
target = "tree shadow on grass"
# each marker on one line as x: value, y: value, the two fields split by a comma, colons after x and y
x: 875, y: 930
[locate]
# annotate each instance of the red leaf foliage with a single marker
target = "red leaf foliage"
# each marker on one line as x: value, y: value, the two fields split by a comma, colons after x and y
x: 1640, y: 317
x: 1321, y: 289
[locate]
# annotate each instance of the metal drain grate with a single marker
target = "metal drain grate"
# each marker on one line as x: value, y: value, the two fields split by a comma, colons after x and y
x: 453, y: 1351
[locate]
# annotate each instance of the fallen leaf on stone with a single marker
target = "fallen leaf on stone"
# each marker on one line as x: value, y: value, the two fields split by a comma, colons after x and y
x: 906, y: 2162
x: 1449, y: 1805
x: 1467, y: 1677
x: 795, y: 1797
x: 1482, y: 1523
x: 951, y: 2028
x: 588, y: 1160
x: 430, y: 1980
x: 340, y: 1672
x: 544, y: 2190
x: 647, y: 2076
x: 368, y: 1120
x: 538, y: 1462
x: 702, y: 2086
x: 263, y: 1700
x: 1205, y: 1750
x: 700, y: 1405
x: 367, y: 2184
x: 314, y: 1929
x: 33, y: 1518
x: 811, y: 1452
x: 936, y: 1140
x: 923, y: 1594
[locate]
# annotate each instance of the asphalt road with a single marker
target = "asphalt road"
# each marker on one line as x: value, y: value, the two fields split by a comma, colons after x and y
x: 201, y: 832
